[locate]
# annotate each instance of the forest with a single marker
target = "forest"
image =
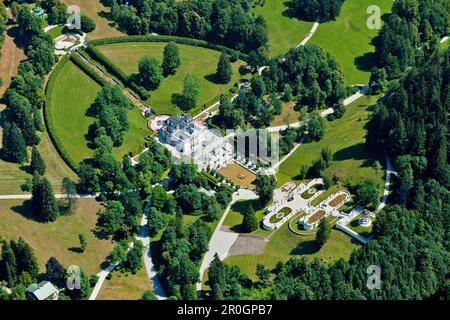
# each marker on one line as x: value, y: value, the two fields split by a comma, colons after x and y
x: 226, y: 22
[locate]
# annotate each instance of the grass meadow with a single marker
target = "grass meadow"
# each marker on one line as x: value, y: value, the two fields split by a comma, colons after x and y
x: 197, y: 61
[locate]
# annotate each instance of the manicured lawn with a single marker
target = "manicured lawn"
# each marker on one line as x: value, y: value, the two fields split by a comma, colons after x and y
x: 55, y: 32
x: 125, y: 286
x: 198, y: 61
x: 284, y: 32
x: 364, y: 231
x: 345, y: 138
x: 284, y: 245
x: 235, y: 216
x: 71, y: 97
x: 349, y: 40
x: 57, y: 239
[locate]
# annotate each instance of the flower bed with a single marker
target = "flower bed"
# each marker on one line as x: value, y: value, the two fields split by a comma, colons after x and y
x: 337, y: 201
x: 280, y: 215
x: 308, y: 193
x: 316, y: 216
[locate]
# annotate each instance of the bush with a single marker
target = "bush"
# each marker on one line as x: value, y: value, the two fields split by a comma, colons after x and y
x: 87, y: 24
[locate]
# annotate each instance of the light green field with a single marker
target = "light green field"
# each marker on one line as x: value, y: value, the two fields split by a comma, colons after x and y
x: 349, y: 39
x: 345, y: 138
x: 284, y: 245
x: 71, y: 97
x: 198, y: 61
x: 126, y: 286
x: 284, y: 32
x: 57, y: 239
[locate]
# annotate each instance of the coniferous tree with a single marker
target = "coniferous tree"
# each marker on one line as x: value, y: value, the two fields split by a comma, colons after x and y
x: 13, y: 144
x: 37, y: 163
x: 224, y: 72
x: 171, y: 59
x: 249, y: 223
x: 324, y: 232
x: 43, y: 199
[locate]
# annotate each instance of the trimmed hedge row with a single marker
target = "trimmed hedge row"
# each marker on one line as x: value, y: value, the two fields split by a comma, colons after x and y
x: 116, y: 71
x: 88, y: 70
x: 193, y: 42
x: 47, y: 117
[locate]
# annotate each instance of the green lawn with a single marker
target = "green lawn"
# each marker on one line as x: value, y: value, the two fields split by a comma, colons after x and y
x: 284, y: 245
x: 345, y: 138
x: 284, y: 32
x: 349, y: 40
x: 56, y: 32
x: 57, y: 239
x: 198, y: 61
x: 235, y: 216
x: 71, y: 97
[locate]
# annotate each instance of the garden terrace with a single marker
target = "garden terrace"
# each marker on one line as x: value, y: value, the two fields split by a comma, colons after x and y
x: 316, y: 216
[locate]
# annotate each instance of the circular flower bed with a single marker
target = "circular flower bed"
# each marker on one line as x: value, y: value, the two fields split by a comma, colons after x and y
x: 280, y: 214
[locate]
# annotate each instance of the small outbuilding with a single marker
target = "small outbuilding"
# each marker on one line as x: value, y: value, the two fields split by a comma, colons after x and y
x: 42, y: 291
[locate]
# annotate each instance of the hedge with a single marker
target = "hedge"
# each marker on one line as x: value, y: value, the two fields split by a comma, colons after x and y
x: 116, y: 71
x: 88, y: 70
x: 47, y: 117
x: 181, y: 40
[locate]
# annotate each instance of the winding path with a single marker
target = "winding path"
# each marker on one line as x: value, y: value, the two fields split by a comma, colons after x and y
x: 389, y: 171
x: 222, y: 241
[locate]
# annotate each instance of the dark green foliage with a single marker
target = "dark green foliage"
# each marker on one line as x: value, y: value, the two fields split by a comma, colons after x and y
x: 229, y: 23
x: 150, y: 72
x: 223, y: 73
x: 249, y: 222
x: 310, y: 10
x: 89, y: 182
x: 87, y: 24
x: 155, y: 221
x: 115, y: 221
x: 43, y: 199
x: 13, y: 144
x: 367, y: 194
x: 171, y: 59
x: 323, y: 233
x: 148, y: 295
x: 37, y: 163
x: 111, y: 108
x: 265, y: 185
x: 83, y: 242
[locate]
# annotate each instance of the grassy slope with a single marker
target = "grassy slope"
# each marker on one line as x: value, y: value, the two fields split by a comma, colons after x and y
x: 345, y: 137
x: 198, y: 61
x: 284, y: 245
x: 97, y: 11
x: 58, y: 239
x: 235, y: 216
x: 125, y: 286
x: 284, y: 32
x: 74, y: 93
x: 349, y: 40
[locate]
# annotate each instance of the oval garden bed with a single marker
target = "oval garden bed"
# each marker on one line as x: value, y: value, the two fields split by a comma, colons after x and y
x: 316, y: 216
x: 280, y: 214
x: 337, y: 201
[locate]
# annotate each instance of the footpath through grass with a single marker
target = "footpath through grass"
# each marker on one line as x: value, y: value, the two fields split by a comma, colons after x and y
x: 57, y: 239
x: 349, y: 39
x: 285, y: 32
x: 345, y: 138
x: 198, y: 61
x: 72, y: 95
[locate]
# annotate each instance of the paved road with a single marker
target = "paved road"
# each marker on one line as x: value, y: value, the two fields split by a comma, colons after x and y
x: 222, y: 241
x: 57, y: 196
x: 389, y: 171
x: 310, y: 33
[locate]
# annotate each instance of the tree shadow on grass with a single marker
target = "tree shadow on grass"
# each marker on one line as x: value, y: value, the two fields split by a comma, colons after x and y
x: 26, y: 211
x: 305, y: 247
x: 354, y: 152
x: 76, y: 249
x: 365, y: 62
x: 212, y: 78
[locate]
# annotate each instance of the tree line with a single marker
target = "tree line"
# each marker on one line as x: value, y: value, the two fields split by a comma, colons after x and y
x: 310, y: 10
x: 230, y: 23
